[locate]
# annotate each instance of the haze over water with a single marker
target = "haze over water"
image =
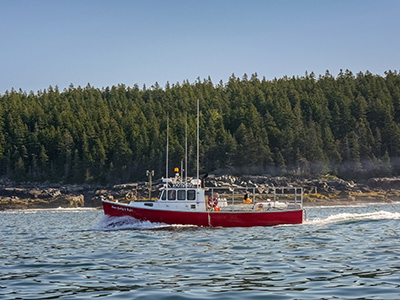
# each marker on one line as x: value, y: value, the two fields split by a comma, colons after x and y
x: 338, y: 253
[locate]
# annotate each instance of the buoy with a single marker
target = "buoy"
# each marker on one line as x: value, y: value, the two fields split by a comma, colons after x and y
x: 217, y: 208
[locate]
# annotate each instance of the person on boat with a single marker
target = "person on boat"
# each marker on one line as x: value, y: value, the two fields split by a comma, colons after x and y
x: 246, y: 199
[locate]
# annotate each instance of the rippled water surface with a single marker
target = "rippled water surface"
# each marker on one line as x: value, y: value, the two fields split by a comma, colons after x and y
x: 338, y: 253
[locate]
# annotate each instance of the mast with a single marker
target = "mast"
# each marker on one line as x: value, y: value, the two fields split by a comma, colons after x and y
x: 198, y: 136
x: 166, y: 160
x: 186, y: 152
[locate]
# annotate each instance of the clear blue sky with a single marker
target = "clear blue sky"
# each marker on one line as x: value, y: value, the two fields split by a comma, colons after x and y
x: 105, y: 43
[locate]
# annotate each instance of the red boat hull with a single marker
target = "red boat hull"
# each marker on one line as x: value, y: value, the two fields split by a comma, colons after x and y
x: 209, y: 219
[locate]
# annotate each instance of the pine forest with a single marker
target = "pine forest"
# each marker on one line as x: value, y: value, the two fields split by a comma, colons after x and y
x: 346, y: 125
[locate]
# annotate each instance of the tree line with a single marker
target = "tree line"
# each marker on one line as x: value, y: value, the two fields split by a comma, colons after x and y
x: 346, y: 125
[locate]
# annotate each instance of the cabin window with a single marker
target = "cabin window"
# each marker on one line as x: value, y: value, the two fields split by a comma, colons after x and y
x: 163, y: 197
x: 191, y: 195
x: 181, y: 194
x: 171, y: 194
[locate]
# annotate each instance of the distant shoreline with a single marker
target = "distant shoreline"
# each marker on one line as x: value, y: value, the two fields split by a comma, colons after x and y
x: 317, y: 192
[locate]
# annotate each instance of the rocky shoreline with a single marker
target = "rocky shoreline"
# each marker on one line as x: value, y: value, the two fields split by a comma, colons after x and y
x: 323, y: 191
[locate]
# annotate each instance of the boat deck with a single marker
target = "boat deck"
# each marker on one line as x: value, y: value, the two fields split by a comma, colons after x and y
x: 252, y: 199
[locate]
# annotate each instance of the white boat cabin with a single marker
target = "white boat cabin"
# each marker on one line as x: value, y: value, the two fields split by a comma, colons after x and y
x: 178, y: 197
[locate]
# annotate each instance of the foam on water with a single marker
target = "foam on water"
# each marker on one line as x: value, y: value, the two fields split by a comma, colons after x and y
x: 107, y: 223
x: 344, y: 217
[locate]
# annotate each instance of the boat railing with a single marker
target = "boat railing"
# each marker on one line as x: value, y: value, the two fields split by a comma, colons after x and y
x: 252, y: 198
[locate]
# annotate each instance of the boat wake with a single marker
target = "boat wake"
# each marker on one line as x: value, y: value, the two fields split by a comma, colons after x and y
x: 354, y: 217
x: 108, y: 223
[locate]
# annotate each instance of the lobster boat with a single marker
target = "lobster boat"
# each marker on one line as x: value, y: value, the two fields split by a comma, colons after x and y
x: 193, y: 204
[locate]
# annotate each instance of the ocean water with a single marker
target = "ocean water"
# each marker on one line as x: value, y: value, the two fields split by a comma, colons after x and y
x: 350, y: 252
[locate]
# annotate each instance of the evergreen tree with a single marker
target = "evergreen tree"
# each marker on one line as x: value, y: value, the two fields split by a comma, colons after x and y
x: 348, y: 126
